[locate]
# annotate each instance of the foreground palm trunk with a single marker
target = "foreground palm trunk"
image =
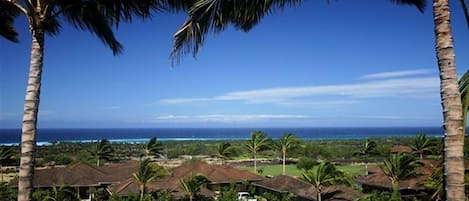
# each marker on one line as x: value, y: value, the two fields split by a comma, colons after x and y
x: 451, y: 103
x: 31, y: 106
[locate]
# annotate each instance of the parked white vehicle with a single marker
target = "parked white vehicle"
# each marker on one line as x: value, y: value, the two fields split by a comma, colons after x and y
x: 244, y: 196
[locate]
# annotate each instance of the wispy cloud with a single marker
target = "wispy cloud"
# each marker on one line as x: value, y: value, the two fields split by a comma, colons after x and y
x: 403, y: 88
x: 396, y: 74
x: 227, y: 117
x: 114, y: 107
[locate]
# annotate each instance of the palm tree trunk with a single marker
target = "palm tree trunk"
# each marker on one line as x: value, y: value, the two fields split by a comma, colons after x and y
x: 319, y: 195
x: 366, y: 164
x: 283, y: 163
x: 451, y: 103
x: 142, y: 192
x: 421, y: 155
x: 97, y: 162
x: 396, y: 194
x: 1, y: 173
x: 31, y: 107
x: 255, y: 163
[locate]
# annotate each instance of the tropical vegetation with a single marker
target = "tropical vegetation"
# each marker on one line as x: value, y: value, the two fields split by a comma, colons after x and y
x: 324, y: 175
x: 366, y: 150
x: 398, y: 167
x: 286, y: 142
x: 258, y: 142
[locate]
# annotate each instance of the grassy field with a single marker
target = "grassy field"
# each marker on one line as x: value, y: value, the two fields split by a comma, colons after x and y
x: 291, y: 170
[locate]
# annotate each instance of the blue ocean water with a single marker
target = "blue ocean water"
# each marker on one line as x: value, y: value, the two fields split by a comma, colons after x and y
x: 135, y: 135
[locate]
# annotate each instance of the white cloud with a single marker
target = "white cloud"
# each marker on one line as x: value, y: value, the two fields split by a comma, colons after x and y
x: 395, y: 74
x: 403, y: 88
x: 227, y: 118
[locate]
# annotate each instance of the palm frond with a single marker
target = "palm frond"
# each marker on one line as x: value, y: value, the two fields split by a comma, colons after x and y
x: 215, y: 15
x: 466, y: 11
x: 8, y: 13
x: 91, y: 16
x: 420, y: 4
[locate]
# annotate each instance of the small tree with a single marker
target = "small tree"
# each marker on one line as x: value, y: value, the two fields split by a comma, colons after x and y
x: 287, y: 141
x: 368, y: 148
x: 422, y: 145
x: 398, y: 167
x: 147, y: 172
x: 152, y: 148
x: 102, y: 150
x: 224, y: 151
x: 193, y: 185
x: 324, y: 175
x: 258, y: 142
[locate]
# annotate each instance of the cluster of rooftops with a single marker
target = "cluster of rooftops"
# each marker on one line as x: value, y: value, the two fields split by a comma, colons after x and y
x: 117, y: 179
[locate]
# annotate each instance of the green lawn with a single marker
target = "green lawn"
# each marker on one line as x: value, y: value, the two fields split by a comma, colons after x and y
x: 274, y: 170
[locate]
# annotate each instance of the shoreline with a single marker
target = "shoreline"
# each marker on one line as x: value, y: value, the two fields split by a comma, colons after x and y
x: 209, y: 139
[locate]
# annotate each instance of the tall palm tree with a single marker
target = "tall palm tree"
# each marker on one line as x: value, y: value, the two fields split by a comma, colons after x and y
x: 147, y: 172
x: 259, y: 142
x: 45, y: 17
x: 152, y: 148
x: 224, y: 151
x: 325, y: 174
x: 5, y: 154
x: 102, y: 150
x: 193, y: 185
x: 287, y: 141
x: 397, y: 167
x: 451, y: 103
x: 421, y: 145
x: 368, y: 147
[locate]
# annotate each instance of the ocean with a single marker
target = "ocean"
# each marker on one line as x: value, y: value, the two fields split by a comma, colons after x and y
x: 138, y: 135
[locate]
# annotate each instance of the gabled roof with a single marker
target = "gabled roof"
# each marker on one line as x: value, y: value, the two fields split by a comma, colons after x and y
x: 76, y: 175
x: 216, y: 174
x: 82, y: 174
x: 287, y: 184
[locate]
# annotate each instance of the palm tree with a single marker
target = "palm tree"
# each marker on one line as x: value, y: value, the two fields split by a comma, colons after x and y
x: 287, y: 141
x: 397, y: 167
x: 102, y: 150
x: 422, y: 145
x: 147, y: 172
x: 224, y: 151
x: 5, y: 153
x: 152, y: 147
x: 193, y: 185
x: 45, y: 17
x: 259, y: 142
x: 324, y: 175
x: 368, y: 148
x: 451, y: 103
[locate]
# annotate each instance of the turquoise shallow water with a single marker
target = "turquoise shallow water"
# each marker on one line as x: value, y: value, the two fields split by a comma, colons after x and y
x: 136, y: 135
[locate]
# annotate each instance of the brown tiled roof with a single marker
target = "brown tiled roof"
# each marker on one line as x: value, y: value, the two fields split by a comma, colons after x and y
x: 401, y: 148
x: 216, y: 174
x: 82, y: 174
x: 76, y: 175
x: 287, y: 184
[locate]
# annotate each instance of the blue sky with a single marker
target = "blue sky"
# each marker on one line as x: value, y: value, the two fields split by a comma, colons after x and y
x: 343, y: 63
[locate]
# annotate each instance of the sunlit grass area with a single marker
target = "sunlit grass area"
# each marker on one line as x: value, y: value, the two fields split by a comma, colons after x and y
x: 291, y: 170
